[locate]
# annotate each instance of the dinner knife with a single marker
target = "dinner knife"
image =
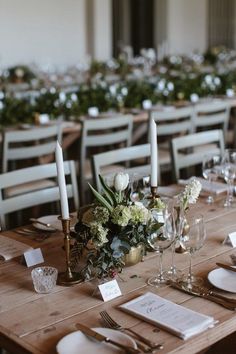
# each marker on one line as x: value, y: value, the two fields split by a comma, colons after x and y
x: 226, y: 266
x: 101, y: 338
x: 224, y: 303
x: 41, y: 222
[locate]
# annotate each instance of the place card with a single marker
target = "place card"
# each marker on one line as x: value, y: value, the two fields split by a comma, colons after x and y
x: 33, y: 257
x: 10, y: 248
x: 175, y: 318
x: 109, y: 290
x: 230, y: 239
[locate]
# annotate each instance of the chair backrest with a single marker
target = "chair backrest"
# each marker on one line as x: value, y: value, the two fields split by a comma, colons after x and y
x: 131, y: 153
x: 37, y: 197
x: 103, y: 132
x: 215, y: 113
x: 172, y: 122
x: 185, y: 152
x: 29, y: 144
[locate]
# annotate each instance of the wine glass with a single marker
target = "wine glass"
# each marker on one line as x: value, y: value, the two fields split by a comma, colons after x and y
x: 229, y: 173
x: 160, y: 240
x: 193, y: 241
x: 210, y: 170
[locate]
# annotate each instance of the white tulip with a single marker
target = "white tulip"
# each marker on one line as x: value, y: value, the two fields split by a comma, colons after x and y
x: 121, y: 181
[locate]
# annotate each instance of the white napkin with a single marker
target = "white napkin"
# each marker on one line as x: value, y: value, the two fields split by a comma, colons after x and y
x: 175, y: 318
x: 215, y: 187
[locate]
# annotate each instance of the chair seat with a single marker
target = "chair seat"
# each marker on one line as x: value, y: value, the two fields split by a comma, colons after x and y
x: 28, y: 187
x: 207, y: 149
x: 106, y: 170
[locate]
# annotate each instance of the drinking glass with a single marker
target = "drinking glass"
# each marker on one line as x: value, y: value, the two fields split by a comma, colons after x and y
x: 139, y: 185
x: 160, y: 241
x: 193, y: 241
x: 210, y: 170
x: 44, y: 279
x: 229, y: 173
x: 179, y: 218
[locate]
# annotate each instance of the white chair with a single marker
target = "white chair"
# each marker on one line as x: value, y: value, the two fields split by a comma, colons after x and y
x: 100, y: 133
x: 138, y: 156
x: 213, y: 115
x: 19, y: 145
x: 32, y: 146
x: 170, y: 123
x: 37, y: 197
x: 185, y: 153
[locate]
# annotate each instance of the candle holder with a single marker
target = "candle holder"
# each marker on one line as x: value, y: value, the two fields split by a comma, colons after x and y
x: 152, y: 197
x: 154, y: 194
x: 68, y: 277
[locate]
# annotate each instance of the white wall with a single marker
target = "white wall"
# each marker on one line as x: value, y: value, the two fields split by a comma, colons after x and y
x: 42, y: 31
x: 187, y: 26
x: 102, y: 40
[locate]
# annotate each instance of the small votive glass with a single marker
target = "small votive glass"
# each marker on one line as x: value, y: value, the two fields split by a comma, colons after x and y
x: 44, y: 279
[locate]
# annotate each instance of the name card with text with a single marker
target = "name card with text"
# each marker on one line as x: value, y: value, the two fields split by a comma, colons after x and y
x: 109, y: 290
x: 230, y: 239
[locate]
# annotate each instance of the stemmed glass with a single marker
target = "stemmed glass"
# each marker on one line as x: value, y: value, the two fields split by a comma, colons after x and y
x: 160, y: 241
x: 210, y: 170
x: 179, y: 219
x: 193, y: 241
x: 229, y: 173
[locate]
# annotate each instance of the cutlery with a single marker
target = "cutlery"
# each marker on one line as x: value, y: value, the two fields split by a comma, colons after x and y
x: 191, y: 291
x: 226, y: 266
x: 113, y: 324
x: 213, y: 293
x: 41, y: 223
x: 101, y: 338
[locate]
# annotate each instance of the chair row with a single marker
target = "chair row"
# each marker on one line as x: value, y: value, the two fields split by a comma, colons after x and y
x: 187, y: 151
x: 102, y: 134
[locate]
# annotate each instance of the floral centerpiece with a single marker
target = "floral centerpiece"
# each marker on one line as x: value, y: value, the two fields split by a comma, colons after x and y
x: 110, y: 227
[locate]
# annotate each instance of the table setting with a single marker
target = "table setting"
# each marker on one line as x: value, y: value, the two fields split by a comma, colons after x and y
x: 72, y: 310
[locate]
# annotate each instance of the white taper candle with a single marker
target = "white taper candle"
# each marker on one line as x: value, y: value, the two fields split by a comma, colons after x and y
x: 153, y: 154
x: 62, y: 182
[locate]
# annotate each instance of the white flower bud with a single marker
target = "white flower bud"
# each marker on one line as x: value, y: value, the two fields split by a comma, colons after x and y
x: 121, y: 181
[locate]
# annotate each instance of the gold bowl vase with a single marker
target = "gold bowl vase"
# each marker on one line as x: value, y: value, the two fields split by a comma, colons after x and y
x: 135, y: 255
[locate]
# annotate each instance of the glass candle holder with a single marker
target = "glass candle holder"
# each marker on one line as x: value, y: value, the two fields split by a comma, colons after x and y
x: 44, y: 279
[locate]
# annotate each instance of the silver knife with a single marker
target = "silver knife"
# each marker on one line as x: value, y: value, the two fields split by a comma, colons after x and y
x: 226, y: 266
x: 101, y: 338
x: 224, y: 303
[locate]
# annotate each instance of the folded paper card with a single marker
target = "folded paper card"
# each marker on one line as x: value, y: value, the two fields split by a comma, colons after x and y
x: 230, y: 239
x: 175, y: 318
x: 10, y: 248
x: 214, y: 187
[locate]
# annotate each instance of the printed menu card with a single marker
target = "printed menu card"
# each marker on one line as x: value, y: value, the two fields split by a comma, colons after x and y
x: 175, y: 318
x: 10, y: 248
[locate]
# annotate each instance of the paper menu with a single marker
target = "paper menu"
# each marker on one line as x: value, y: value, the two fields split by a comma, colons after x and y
x: 214, y: 187
x: 10, y: 248
x: 174, y: 318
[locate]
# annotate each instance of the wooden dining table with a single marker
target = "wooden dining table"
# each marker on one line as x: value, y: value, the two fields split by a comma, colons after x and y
x: 34, y: 323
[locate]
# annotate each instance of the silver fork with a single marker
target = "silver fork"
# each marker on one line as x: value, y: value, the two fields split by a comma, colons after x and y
x: 114, y: 325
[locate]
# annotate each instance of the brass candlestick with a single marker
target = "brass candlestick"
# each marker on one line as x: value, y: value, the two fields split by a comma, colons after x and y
x: 154, y: 194
x: 68, y: 277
